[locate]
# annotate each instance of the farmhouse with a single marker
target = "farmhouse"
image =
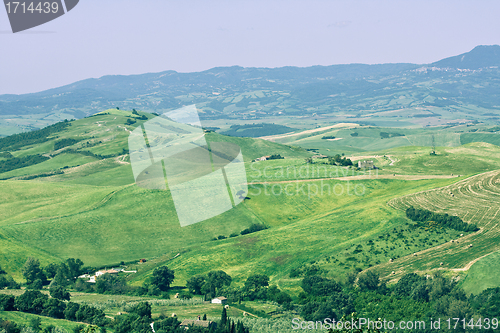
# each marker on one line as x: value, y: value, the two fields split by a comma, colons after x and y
x: 219, y: 300
x: 366, y: 164
x: 263, y: 158
x: 186, y: 323
x: 92, y: 279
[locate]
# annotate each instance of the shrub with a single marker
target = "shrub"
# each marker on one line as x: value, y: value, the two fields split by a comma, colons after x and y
x: 253, y: 228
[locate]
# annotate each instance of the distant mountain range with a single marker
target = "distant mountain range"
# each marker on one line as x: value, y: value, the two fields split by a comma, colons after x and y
x: 460, y: 88
x: 482, y: 56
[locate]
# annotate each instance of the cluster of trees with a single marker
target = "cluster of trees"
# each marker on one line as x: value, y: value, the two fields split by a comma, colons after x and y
x: 413, y: 297
x: 275, y: 157
x: 256, y: 287
x: 138, y: 320
x: 62, y: 274
x: 34, y: 326
x: 257, y: 130
x: 210, y: 284
x: 21, y: 162
x: 385, y: 135
x: 327, y: 137
x: 112, y: 284
x: 306, y: 270
x: 143, y: 117
x: 97, y: 115
x: 339, y: 160
x: 15, y: 141
x: 6, y: 281
x: 445, y: 220
x: 105, y: 284
x: 33, y: 301
x: 59, y: 144
x: 252, y: 228
x: 44, y: 174
x: 91, y: 154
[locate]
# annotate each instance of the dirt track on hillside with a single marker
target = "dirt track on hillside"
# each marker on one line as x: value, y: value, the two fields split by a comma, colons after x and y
x: 281, y: 136
x: 360, y: 177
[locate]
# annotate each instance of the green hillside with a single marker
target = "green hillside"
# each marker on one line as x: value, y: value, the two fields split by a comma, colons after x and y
x: 82, y: 202
x: 483, y: 274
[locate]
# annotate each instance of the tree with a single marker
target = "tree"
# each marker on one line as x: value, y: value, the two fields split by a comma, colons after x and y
x: 162, y: 278
x: 215, y: 281
x: 6, y: 281
x: 54, y: 308
x: 318, y: 286
x: 74, y: 267
x: 223, y: 318
x: 71, y: 310
x: 369, y: 281
x: 111, y: 284
x: 32, y: 271
x: 51, y: 270
x: 487, y: 303
x: 255, y: 282
x: 78, y: 328
x: 31, y: 301
x: 195, y: 283
x: 7, y: 303
x: 407, y: 284
x: 59, y: 292
x: 92, y: 328
x: 35, y: 324
x: 143, y: 309
x: 37, y: 284
x: 60, y: 277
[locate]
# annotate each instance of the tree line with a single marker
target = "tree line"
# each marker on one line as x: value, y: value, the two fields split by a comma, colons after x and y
x: 15, y: 141
x: 137, y: 320
x: 21, y: 162
x: 413, y: 297
x: 251, y: 229
x: 59, y: 144
x: 424, y: 216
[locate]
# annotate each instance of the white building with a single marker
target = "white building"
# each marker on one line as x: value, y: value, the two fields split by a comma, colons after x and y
x: 219, y: 300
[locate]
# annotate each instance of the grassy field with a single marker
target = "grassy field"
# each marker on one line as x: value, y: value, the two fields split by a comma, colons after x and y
x: 22, y: 318
x: 485, y: 273
x: 476, y: 200
x: 112, y: 305
x: 94, y: 211
x: 355, y: 139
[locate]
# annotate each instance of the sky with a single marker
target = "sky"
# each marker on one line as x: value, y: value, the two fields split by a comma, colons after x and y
x: 108, y: 37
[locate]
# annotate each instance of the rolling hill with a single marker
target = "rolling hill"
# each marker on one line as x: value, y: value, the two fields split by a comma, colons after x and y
x: 455, y: 90
x: 80, y: 200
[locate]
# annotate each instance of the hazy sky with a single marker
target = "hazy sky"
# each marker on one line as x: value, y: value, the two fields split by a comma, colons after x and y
x: 101, y: 37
